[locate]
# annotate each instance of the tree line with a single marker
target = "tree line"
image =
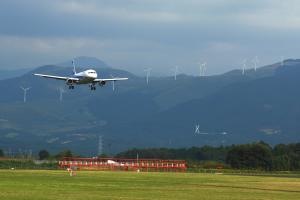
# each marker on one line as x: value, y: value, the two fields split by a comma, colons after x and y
x: 45, y: 155
x: 257, y: 155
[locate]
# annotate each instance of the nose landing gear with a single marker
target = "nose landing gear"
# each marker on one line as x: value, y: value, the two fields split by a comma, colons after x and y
x: 71, y: 87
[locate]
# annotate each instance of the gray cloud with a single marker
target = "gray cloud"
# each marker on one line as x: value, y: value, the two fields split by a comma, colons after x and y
x: 133, y: 34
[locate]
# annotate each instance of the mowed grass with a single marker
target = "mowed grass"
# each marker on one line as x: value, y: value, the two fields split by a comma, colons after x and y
x: 33, y: 184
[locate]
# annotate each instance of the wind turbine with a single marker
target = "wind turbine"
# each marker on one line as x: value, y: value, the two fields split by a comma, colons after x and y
x: 244, y: 66
x: 61, y: 91
x: 197, y: 131
x: 148, y: 71
x: 202, y: 68
x: 175, y: 72
x: 255, y: 62
x: 25, y: 93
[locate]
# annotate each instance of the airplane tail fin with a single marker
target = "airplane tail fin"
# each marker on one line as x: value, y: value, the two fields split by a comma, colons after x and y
x: 74, y: 69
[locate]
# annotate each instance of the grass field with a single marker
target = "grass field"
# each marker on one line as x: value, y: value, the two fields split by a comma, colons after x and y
x: 33, y: 184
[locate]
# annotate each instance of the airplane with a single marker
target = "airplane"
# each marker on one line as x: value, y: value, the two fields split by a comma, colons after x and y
x: 85, y: 77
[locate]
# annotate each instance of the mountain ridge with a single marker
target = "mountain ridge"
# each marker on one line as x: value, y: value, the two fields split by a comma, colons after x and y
x: 162, y: 113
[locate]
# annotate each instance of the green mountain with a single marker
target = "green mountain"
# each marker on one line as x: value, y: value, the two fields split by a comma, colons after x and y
x: 228, y: 108
x: 261, y: 109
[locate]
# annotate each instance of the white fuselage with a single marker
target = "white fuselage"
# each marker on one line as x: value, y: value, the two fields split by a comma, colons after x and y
x: 87, y: 76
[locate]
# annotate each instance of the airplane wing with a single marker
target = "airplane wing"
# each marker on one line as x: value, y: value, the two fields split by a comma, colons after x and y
x: 109, y: 79
x: 57, y: 77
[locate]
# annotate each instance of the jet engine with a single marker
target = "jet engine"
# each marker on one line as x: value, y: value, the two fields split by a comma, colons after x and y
x: 102, y: 83
x: 69, y: 81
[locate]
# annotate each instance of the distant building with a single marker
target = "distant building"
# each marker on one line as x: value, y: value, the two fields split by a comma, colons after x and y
x: 155, y: 165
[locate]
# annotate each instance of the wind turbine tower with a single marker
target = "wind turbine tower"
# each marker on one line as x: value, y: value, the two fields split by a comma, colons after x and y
x: 175, y: 72
x: 255, y: 62
x: 197, y: 131
x: 148, y: 71
x: 202, y: 68
x: 244, y: 66
x: 25, y: 93
x: 61, y: 91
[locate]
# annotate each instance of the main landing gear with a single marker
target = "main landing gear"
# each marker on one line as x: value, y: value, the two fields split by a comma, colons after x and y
x: 93, y: 87
x: 71, y: 87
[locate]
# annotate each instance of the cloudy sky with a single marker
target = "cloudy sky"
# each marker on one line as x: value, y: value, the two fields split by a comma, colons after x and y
x: 134, y: 34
